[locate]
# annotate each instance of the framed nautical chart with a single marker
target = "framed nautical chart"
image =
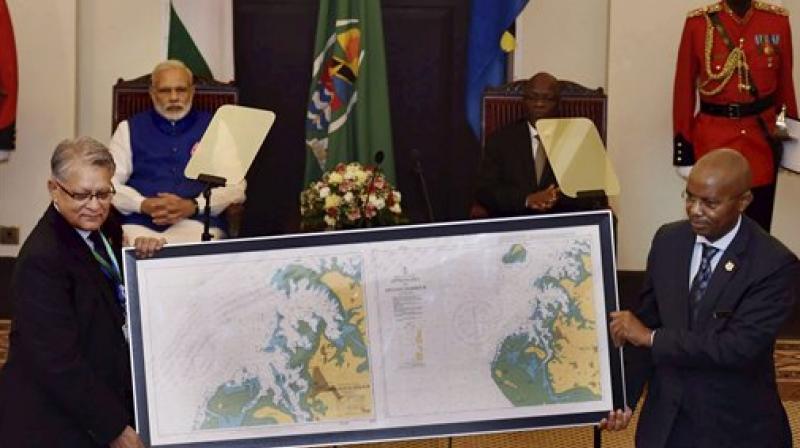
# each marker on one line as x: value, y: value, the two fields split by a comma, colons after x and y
x: 376, y: 334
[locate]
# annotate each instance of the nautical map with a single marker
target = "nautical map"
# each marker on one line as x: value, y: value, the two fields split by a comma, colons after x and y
x: 314, y: 362
x: 505, y: 327
x: 374, y: 335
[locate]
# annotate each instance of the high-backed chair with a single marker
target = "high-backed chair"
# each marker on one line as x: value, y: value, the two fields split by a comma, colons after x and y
x: 503, y: 105
x: 133, y: 96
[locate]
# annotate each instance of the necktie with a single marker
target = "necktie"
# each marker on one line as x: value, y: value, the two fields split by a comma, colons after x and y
x: 540, y: 160
x: 701, y: 279
x: 99, y: 247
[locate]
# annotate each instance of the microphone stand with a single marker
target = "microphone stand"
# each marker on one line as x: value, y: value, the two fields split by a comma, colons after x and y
x: 210, y: 182
x: 418, y: 169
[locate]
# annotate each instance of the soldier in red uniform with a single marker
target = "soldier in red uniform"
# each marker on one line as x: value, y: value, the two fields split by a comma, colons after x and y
x: 737, y: 55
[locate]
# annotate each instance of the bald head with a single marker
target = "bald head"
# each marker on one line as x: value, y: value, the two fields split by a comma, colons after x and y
x: 541, y: 94
x: 717, y: 192
x: 543, y: 77
x: 725, y: 167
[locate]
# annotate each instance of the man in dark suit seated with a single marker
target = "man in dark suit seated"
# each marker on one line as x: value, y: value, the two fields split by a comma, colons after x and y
x: 515, y: 177
x: 717, y: 290
x: 67, y: 381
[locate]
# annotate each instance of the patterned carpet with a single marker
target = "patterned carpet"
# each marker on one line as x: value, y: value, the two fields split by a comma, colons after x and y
x: 787, y: 363
x: 787, y: 366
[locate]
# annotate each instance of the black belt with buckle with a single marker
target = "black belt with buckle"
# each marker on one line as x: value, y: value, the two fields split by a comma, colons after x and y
x: 737, y: 110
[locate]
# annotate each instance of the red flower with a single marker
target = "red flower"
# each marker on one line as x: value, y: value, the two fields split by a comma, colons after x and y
x: 332, y: 212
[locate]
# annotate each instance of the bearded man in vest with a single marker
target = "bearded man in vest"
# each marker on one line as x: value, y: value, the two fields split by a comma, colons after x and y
x: 151, y: 151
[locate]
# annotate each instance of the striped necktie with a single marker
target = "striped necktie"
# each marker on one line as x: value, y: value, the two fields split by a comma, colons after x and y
x: 701, y: 279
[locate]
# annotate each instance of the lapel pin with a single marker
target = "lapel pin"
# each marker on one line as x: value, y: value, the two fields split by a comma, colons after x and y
x: 729, y: 266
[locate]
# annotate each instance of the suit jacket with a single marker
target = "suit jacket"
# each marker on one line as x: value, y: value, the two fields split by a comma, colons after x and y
x: 508, y: 175
x: 67, y: 380
x: 719, y: 372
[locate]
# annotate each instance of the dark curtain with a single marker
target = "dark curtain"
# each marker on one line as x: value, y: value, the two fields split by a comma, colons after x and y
x: 426, y: 54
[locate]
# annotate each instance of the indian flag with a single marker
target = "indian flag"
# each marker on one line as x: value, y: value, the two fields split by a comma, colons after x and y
x: 201, y: 35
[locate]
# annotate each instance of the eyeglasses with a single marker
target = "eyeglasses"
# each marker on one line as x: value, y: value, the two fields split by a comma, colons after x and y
x: 101, y: 196
x: 708, y: 204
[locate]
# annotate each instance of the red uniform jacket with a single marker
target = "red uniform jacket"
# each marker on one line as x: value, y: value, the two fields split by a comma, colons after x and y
x: 766, y: 38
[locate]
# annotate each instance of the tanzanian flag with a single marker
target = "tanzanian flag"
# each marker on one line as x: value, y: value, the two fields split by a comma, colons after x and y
x: 8, y: 81
x: 348, y: 108
x: 486, y: 56
x: 201, y: 36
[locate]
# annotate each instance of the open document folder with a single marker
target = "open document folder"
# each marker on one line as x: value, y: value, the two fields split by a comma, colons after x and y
x: 577, y: 156
x: 791, y: 146
x: 230, y: 143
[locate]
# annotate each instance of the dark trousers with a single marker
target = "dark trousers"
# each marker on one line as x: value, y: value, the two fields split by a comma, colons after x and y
x: 682, y: 434
x: 760, y: 210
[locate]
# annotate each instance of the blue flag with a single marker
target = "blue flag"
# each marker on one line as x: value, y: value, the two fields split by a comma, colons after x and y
x: 486, y: 61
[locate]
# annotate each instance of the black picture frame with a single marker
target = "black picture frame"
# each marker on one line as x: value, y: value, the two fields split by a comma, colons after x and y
x: 602, y: 220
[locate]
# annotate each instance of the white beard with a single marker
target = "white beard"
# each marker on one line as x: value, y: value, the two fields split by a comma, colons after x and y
x: 173, y: 116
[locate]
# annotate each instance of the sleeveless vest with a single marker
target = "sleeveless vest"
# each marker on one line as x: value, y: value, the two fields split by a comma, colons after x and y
x: 161, y: 149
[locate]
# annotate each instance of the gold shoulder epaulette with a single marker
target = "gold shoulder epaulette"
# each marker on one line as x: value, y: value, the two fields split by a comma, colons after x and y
x: 714, y: 7
x: 775, y: 9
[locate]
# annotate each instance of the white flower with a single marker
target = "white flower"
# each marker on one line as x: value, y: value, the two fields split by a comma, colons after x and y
x: 333, y: 201
x: 361, y: 177
x: 348, y: 197
x: 330, y: 221
x: 324, y: 192
x: 335, y: 178
x: 379, y: 203
x: 396, y: 195
x: 395, y: 208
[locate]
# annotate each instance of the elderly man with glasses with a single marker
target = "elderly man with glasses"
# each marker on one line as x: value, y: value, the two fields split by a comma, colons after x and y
x: 67, y: 382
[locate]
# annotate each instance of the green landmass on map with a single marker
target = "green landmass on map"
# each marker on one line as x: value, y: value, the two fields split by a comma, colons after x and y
x: 317, y: 379
x: 516, y: 254
x: 560, y: 364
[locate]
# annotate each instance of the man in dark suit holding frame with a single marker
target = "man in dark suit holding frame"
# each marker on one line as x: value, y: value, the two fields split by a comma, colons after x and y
x: 717, y: 290
x: 67, y: 380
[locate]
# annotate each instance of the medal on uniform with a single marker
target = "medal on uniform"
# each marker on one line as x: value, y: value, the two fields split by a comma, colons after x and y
x: 766, y: 44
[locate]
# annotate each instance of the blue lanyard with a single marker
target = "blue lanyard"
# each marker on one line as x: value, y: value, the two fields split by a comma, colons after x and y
x: 111, y: 270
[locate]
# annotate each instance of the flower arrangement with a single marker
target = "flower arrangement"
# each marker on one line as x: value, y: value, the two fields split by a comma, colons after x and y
x: 350, y: 196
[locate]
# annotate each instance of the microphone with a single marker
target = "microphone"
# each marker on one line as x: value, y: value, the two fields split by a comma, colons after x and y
x: 378, y: 158
x: 416, y: 157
